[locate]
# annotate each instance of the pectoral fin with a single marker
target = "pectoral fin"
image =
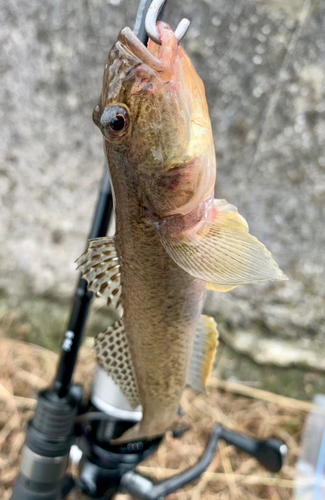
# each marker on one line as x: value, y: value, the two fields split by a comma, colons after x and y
x: 229, y: 214
x: 220, y: 288
x: 100, y: 267
x: 204, y: 350
x: 224, y: 253
x: 113, y: 354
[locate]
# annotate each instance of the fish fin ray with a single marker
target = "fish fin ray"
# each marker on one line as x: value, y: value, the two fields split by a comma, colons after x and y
x: 229, y: 214
x: 100, y: 267
x: 224, y: 253
x: 220, y: 288
x: 113, y: 354
x: 204, y: 351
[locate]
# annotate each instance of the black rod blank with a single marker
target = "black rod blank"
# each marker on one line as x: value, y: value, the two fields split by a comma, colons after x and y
x: 82, y: 299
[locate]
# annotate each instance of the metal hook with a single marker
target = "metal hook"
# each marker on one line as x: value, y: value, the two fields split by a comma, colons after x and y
x: 151, y: 22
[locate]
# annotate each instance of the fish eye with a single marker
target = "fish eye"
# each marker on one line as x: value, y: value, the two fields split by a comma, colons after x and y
x: 114, y: 122
x: 117, y: 123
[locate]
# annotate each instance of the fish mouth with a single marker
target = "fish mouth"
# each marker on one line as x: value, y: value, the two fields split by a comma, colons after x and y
x: 155, y: 56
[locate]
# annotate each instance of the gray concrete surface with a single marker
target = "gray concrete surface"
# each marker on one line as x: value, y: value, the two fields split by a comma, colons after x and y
x: 263, y: 66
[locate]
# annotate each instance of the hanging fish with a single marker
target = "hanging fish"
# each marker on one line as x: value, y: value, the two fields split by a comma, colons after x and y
x: 173, y: 240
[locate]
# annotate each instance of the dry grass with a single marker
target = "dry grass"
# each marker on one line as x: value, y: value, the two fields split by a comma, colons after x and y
x: 232, y: 475
x: 26, y: 368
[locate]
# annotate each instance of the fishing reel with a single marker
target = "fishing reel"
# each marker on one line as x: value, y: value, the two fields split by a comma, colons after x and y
x: 125, y: 479
x: 65, y: 431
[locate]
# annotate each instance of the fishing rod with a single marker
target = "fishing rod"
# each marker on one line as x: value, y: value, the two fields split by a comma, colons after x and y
x: 66, y: 430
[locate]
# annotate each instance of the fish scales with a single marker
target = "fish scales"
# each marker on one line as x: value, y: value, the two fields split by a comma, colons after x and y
x: 162, y: 305
x: 173, y: 240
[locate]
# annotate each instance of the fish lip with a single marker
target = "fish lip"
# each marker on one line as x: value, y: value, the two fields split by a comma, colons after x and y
x: 132, y: 43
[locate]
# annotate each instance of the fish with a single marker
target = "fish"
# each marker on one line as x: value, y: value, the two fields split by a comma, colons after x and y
x: 173, y: 240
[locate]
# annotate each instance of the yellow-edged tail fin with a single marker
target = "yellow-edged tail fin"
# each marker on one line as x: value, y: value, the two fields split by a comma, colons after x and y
x: 204, y: 351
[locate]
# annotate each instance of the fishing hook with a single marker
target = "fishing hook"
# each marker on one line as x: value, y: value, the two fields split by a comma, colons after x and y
x: 151, y: 22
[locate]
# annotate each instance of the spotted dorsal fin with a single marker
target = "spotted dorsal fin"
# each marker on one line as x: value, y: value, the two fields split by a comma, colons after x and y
x: 100, y: 267
x: 113, y: 354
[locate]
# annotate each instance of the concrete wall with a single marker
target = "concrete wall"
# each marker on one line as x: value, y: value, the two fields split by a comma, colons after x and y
x: 263, y: 66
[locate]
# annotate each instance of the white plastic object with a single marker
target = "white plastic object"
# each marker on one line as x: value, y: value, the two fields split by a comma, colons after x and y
x: 108, y: 397
x: 310, y: 477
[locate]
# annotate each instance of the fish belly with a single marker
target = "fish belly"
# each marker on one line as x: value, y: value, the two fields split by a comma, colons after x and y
x: 162, y: 305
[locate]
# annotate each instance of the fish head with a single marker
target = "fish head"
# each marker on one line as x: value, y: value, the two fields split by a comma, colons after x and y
x: 155, y: 122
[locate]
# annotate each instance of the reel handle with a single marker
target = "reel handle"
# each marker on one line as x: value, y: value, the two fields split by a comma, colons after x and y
x: 270, y: 453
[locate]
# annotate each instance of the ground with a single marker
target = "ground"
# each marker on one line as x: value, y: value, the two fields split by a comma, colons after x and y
x: 262, y: 66
x: 26, y: 368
